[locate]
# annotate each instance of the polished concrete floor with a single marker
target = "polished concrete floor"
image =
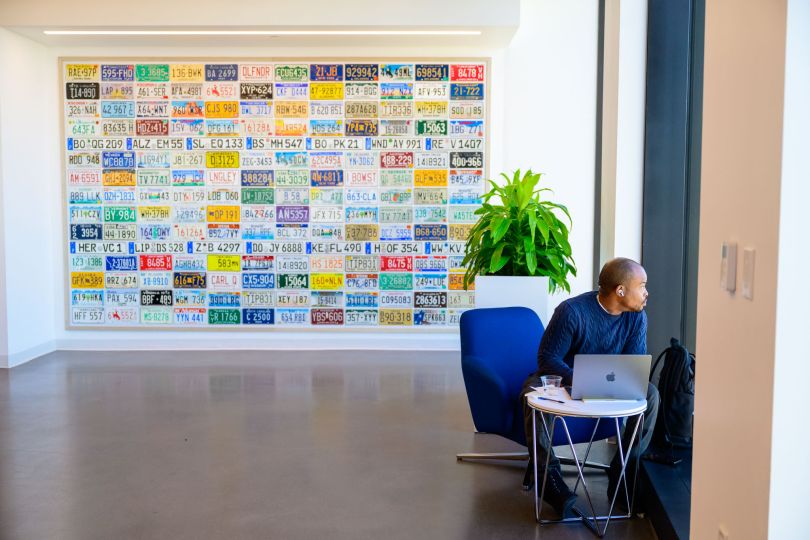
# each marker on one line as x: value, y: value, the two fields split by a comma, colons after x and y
x: 270, y: 445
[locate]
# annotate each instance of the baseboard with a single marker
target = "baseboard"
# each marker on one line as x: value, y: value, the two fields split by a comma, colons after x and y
x: 401, y: 342
x: 19, y: 358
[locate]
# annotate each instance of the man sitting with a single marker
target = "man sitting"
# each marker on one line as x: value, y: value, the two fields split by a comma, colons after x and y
x: 608, y: 321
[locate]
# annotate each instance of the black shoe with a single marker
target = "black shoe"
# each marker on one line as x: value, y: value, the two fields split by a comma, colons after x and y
x: 558, y: 495
x: 620, y: 506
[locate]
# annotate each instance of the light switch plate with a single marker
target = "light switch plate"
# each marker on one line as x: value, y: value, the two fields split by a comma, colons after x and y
x: 728, y: 267
x: 749, y: 256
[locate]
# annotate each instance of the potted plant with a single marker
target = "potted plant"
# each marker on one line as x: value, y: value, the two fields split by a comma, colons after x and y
x: 518, y: 239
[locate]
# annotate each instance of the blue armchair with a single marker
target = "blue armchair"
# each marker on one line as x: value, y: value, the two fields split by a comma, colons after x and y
x: 498, y: 352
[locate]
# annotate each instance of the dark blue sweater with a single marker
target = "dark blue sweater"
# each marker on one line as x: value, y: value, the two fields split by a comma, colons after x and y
x: 580, y: 326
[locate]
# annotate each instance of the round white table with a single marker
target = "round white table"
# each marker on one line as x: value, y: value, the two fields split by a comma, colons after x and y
x: 557, y: 404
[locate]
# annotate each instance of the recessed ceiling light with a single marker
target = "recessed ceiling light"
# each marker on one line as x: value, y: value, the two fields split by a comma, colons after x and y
x: 262, y: 32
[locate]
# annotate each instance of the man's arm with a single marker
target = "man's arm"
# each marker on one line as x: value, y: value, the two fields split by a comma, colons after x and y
x: 637, y: 341
x: 556, y: 343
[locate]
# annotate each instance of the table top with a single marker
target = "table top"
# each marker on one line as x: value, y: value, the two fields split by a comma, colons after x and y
x: 592, y: 408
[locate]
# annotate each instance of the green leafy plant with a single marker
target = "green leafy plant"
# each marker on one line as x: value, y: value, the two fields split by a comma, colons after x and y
x: 521, y: 236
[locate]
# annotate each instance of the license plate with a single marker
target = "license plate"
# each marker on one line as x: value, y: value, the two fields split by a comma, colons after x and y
x: 326, y: 160
x: 258, y: 316
x: 389, y: 299
x: 224, y: 281
x: 120, y: 280
x: 221, y: 109
x: 396, y: 215
x: 152, y: 72
x: 117, y: 91
x: 396, y: 128
x: 461, y: 299
x: 326, y: 263
x: 122, y: 298
x: 431, y: 109
x: 396, y: 232
x: 365, y: 214
x: 86, y: 232
x: 187, y: 72
x: 291, y: 127
x: 223, y: 128
x: 79, y: 109
x: 430, y: 196
x: 361, y: 317
x: 430, y: 281
x: 292, y: 316
x: 326, y: 91
x: 291, y: 160
x: 396, y: 109
x: 186, y: 90
x: 292, y: 214
x: 362, y: 91
x: 362, y: 109
x: 293, y: 264
x: 117, y: 72
x: 189, y: 280
x: 457, y: 283
x: 431, y: 90
x: 225, y: 299
x: 330, y: 299
x: 325, y: 109
x: 361, y: 128
x: 86, y: 263
x: 190, y: 316
x: 151, y: 127
x: 81, y: 72
x: 258, y: 214
x: 396, y: 282
x: 429, y: 317
x: 396, y: 90
x: 327, y: 282
x: 221, y: 72
x: 276, y: 247
x: 430, y: 214
x: 292, y: 231
x: 224, y: 316
x: 295, y: 91
x: 431, y: 72
x: 362, y: 232
x: 467, y: 72
x: 396, y: 317
x: 258, y: 298
x: 430, y: 299
x: 327, y: 232
x: 467, y: 110
x: 467, y: 91
x: 81, y: 90
x: 86, y: 315
x: 431, y: 160
x: 362, y: 281
x: 188, y: 109
x: 222, y: 160
x: 466, y: 160
x: 87, y: 298
x: 327, y: 316
x: 362, y: 72
x: 150, y: 109
x: 396, y: 160
x: 256, y: 178
x: 363, y: 300
x: 157, y: 298
x: 258, y: 281
x: 431, y: 127
x: 293, y: 281
x: 326, y: 128
x: 463, y: 214
x: 191, y: 263
x: 152, y: 90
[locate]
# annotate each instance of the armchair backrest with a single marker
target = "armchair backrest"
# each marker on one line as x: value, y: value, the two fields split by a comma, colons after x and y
x: 498, y: 352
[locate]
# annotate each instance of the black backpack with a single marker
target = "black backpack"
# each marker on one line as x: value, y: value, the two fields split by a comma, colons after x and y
x: 676, y: 385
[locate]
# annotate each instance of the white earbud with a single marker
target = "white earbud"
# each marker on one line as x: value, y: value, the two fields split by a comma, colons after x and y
x: 621, y: 293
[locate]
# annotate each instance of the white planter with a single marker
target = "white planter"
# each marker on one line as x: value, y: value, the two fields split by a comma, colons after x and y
x: 508, y: 291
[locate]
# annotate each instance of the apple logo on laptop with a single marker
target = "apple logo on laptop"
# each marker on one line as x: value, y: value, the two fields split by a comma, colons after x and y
x: 610, y: 377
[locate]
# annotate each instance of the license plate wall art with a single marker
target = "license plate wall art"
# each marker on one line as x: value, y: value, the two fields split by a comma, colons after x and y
x: 271, y: 193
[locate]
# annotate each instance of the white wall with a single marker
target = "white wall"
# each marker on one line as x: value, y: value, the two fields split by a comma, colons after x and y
x: 743, y: 96
x: 550, y: 114
x: 790, y: 439
x: 30, y: 179
x: 542, y: 112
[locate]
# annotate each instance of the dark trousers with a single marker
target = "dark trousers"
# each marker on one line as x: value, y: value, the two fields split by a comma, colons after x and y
x: 544, y: 448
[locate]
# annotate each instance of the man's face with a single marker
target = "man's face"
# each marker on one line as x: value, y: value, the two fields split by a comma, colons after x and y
x: 635, y: 293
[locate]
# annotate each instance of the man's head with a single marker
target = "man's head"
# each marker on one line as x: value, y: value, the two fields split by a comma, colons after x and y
x: 624, y: 281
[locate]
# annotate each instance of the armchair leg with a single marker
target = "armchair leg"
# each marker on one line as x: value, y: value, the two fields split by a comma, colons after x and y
x: 508, y: 456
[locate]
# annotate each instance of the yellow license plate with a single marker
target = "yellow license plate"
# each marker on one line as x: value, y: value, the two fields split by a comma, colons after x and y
x: 457, y: 283
x: 291, y: 109
x: 82, y: 72
x: 430, y: 178
x: 326, y: 282
x: 325, y: 91
x: 431, y: 109
x: 87, y: 280
x: 224, y: 263
x: 187, y: 72
x: 460, y: 231
x: 118, y: 178
x: 151, y: 213
x: 396, y: 317
x: 223, y: 214
x: 362, y: 232
x: 222, y: 160
x: 221, y: 109
x: 291, y: 128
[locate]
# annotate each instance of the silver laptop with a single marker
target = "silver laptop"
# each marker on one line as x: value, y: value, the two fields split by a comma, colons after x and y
x: 611, y: 376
